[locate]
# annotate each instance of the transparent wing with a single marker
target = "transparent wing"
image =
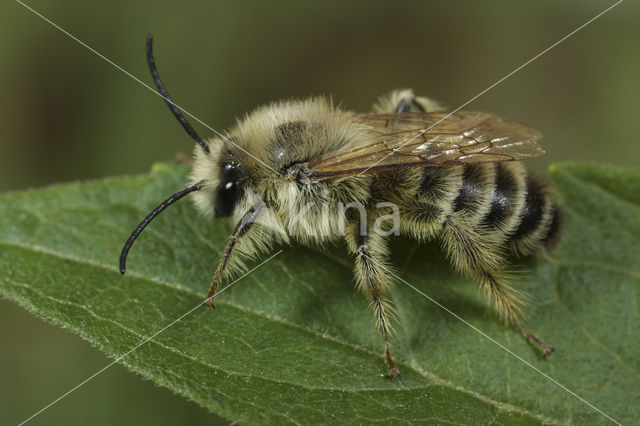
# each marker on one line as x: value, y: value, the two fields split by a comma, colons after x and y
x: 430, y: 139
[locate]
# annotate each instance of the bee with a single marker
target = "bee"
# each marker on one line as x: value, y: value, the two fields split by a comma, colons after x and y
x: 456, y: 177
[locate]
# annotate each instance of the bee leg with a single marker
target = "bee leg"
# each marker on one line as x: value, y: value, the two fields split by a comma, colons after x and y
x: 403, y: 101
x: 241, y: 229
x: 409, y: 104
x: 471, y: 254
x: 547, y: 349
x: 374, y: 281
x: 510, y: 307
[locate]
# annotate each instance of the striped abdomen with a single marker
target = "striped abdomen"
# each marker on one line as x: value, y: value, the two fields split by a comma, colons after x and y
x: 500, y: 202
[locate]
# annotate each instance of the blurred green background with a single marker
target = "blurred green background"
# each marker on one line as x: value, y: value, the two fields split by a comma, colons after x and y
x: 68, y: 115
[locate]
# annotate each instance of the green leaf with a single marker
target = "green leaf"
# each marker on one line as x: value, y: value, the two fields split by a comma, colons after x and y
x: 293, y: 342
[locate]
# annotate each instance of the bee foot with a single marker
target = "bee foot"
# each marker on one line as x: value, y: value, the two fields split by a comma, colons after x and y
x: 393, y: 373
x: 547, y: 349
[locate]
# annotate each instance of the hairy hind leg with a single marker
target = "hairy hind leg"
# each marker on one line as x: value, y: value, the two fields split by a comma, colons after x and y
x: 473, y: 255
x: 373, y: 279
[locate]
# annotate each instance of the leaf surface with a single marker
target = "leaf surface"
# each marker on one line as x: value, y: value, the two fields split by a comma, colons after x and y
x: 293, y: 342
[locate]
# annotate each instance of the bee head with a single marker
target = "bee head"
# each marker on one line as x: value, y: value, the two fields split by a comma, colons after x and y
x: 223, y: 178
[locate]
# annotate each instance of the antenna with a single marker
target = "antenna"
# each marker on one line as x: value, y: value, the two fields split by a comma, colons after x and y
x: 155, y: 212
x: 165, y: 95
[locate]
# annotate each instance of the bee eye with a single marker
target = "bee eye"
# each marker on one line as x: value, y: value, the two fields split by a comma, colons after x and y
x: 228, y: 191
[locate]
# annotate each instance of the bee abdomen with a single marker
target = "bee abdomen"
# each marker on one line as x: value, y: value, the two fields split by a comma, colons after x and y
x: 475, y: 194
x: 490, y: 200
x: 508, y: 199
x: 496, y: 203
x: 555, y: 228
x: 425, y: 212
x: 539, y: 221
x: 502, y: 204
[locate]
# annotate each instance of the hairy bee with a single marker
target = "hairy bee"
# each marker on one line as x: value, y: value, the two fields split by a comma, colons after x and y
x: 307, y: 172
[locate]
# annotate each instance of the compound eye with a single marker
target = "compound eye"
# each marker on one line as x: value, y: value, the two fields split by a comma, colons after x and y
x: 228, y: 191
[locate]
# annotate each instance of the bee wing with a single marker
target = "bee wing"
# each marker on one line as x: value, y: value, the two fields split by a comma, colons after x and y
x: 430, y: 139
